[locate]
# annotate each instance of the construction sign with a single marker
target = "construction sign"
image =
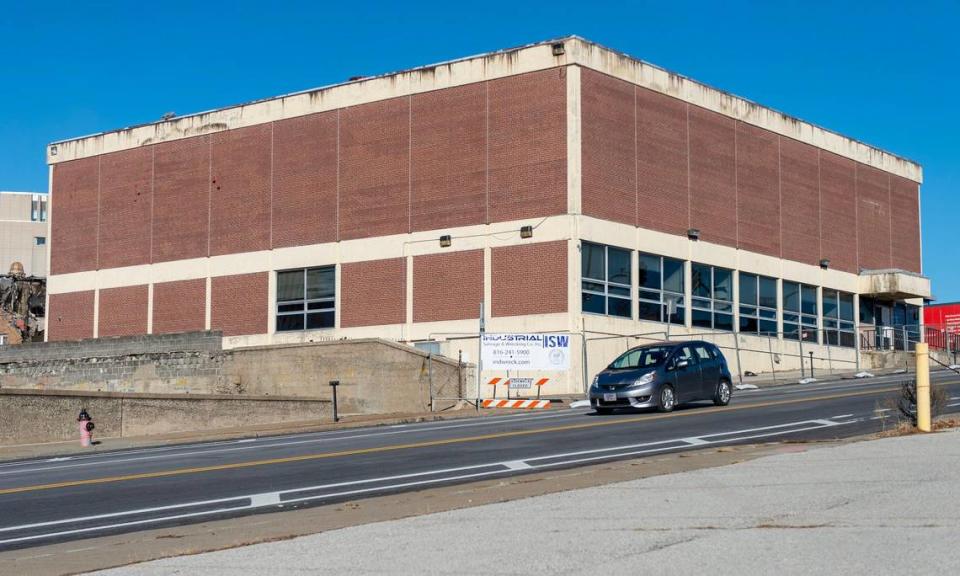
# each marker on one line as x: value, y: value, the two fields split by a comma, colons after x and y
x: 536, y: 352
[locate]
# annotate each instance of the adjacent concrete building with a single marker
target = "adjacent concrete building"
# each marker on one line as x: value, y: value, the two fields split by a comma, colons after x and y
x: 565, y: 186
x: 23, y: 232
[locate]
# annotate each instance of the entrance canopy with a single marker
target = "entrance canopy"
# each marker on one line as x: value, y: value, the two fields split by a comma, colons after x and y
x: 892, y: 284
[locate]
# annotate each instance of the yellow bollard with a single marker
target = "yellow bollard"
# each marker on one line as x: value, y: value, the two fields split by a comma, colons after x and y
x: 923, y: 387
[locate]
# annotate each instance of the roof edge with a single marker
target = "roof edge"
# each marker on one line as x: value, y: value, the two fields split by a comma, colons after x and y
x: 477, y: 68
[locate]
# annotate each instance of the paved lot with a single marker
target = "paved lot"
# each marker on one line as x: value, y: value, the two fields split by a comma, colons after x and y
x: 882, y: 507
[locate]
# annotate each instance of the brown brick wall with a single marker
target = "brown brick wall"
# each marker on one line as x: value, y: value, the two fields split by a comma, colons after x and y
x: 528, y: 146
x: 873, y: 217
x: 609, y: 148
x: 126, y: 181
x: 447, y: 286
x: 758, y: 190
x: 448, y: 157
x: 374, y: 169
x: 70, y: 316
x: 73, y: 246
x: 838, y: 226
x: 741, y: 193
x: 181, y: 199
x: 529, y: 279
x: 240, y: 194
x: 305, y: 180
x: 663, y: 201
x: 238, y: 304
x: 713, y: 193
x: 179, y: 306
x: 373, y: 293
x: 123, y: 311
x: 490, y: 151
x: 905, y: 215
x: 800, y: 201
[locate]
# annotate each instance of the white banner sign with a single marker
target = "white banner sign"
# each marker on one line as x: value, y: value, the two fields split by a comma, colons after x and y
x: 526, y: 352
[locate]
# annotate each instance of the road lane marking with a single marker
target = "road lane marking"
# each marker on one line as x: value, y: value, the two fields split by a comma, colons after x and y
x: 842, y: 416
x: 269, y: 499
x: 300, y: 438
x: 265, y: 445
x: 615, y: 421
x: 694, y: 441
x: 818, y: 425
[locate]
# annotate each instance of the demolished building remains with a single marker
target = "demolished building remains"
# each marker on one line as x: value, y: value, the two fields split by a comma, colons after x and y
x: 22, y: 301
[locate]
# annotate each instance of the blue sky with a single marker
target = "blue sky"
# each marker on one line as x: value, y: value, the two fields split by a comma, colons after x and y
x: 885, y: 73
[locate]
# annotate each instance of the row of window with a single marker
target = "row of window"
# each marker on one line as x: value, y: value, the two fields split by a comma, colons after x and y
x: 606, y: 273
x: 306, y: 298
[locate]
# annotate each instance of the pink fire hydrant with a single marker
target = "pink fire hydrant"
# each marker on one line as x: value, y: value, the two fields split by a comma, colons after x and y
x: 86, y: 427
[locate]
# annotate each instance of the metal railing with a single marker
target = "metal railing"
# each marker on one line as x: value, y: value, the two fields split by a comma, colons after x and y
x: 890, y: 338
x: 943, y: 339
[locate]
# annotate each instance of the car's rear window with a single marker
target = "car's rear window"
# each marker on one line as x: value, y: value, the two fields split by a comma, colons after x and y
x: 641, y: 358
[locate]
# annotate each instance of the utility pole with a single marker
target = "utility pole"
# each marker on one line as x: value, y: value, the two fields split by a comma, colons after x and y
x: 483, y: 329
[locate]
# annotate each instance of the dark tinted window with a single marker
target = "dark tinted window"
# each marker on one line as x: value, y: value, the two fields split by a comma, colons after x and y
x: 768, y: 292
x: 700, y: 280
x: 648, y: 271
x: 592, y: 260
x: 748, y: 289
x: 618, y: 266
x: 791, y: 296
x: 306, y: 299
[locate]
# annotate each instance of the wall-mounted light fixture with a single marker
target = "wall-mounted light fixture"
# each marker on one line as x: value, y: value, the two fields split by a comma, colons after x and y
x: 693, y: 233
x: 53, y: 150
x: 558, y: 49
x: 526, y: 231
x: 825, y: 263
x: 445, y: 241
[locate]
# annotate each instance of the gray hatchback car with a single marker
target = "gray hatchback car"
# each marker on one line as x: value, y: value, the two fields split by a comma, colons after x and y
x: 661, y: 376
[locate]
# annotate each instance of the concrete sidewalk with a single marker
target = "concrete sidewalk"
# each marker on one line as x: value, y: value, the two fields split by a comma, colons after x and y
x: 888, y: 506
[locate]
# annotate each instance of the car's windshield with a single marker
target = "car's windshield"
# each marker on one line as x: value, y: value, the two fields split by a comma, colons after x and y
x: 641, y: 358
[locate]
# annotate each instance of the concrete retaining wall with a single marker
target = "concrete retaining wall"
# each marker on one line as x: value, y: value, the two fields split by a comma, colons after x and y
x: 377, y: 376
x: 50, y: 416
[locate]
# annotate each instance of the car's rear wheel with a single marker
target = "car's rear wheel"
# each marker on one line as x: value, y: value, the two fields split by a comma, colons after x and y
x: 603, y: 411
x: 667, y: 400
x: 722, y: 395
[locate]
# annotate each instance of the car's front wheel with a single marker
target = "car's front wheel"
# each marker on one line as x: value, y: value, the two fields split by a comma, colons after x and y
x: 667, y: 400
x: 722, y: 395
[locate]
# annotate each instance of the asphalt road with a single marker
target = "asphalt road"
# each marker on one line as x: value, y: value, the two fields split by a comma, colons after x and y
x: 57, y: 499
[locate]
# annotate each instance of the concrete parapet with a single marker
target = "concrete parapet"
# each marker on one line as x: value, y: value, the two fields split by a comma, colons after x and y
x: 207, y: 341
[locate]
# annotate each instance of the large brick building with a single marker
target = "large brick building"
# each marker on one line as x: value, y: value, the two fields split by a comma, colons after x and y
x: 393, y: 206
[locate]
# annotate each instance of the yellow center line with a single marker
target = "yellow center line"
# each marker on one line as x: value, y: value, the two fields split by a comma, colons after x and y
x: 428, y: 443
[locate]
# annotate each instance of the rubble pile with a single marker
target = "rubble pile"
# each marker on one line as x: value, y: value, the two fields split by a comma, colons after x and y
x: 22, y: 300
